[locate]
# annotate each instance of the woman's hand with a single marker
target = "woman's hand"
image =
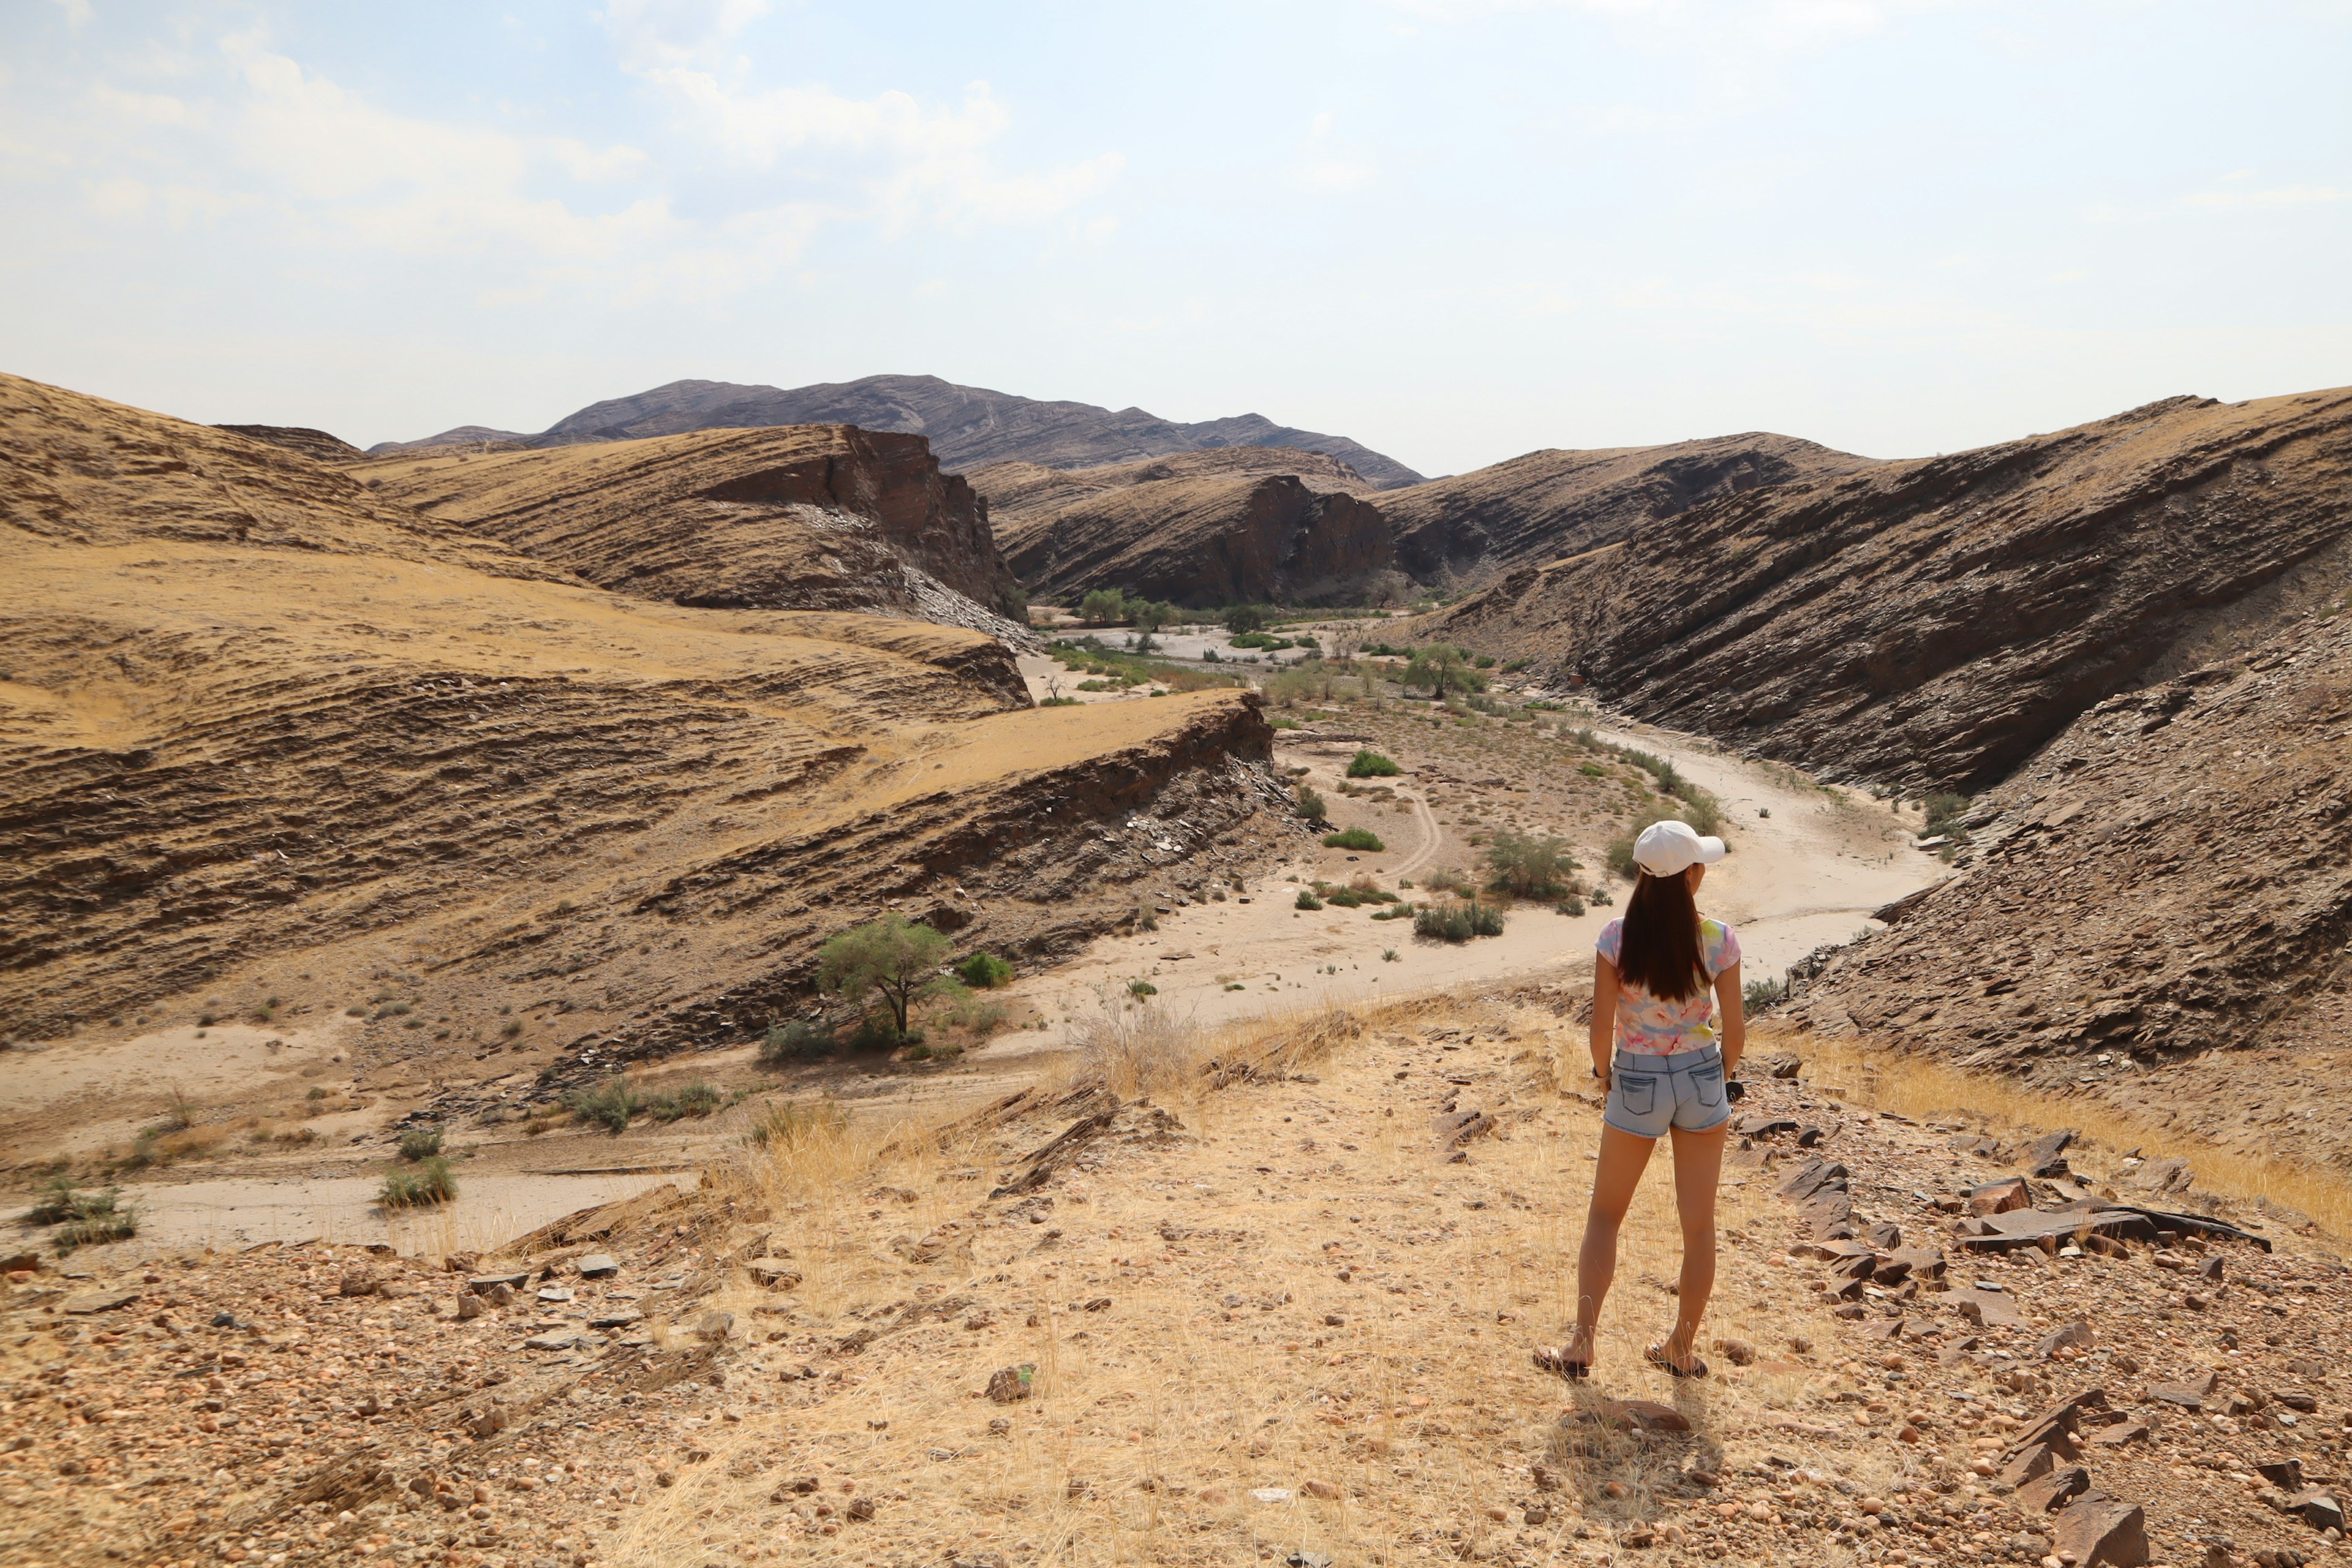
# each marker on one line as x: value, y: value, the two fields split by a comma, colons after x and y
x: 1731, y: 1003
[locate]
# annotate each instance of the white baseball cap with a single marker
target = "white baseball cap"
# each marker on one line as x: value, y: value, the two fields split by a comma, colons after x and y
x: 1669, y: 848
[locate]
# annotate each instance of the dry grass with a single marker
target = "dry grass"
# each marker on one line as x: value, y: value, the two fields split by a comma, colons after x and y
x: 1923, y: 1089
x: 1213, y: 1371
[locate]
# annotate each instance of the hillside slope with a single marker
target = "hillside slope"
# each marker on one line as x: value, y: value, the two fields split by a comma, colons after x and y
x: 1552, y: 503
x: 801, y: 517
x: 267, y: 735
x: 967, y: 425
x: 2158, y: 912
x: 1933, y: 622
x: 1205, y: 541
x: 1020, y: 493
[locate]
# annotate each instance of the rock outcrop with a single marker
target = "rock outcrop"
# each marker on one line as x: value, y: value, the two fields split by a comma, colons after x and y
x: 1019, y: 493
x: 967, y: 425
x: 1933, y: 622
x: 801, y: 517
x: 2158, y: 909
x: 1548, y: 504
x: 265, y: 731
x: 1205, y: 542
x: 314, y: 443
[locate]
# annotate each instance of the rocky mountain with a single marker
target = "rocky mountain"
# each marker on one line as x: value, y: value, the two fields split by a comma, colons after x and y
x: 967, y: 425
x: 1553, y: 503
x: 1018, y: 493
x: 1202, y: 542
x: 316, y: 445
x: 2157, y: 912
x: 265, y: 731
x: 1932, y: 623
x: 801, y: 516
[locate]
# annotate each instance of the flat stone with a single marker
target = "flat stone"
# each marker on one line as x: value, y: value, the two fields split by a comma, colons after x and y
x: 562, y: 1339
x: 775, y: 1273
x: 2053, y: 1488
x: 620, y: 1319
x: 555, y: 1292
x: 1985, y: 1309
x: 98, y: 1302
x: 598, y: 1266
x: 2000, y: 1197
x: 2100, y: 1529
x: 482, y: 1284
x: 2317, y: 1507
x: 2075, y: 1335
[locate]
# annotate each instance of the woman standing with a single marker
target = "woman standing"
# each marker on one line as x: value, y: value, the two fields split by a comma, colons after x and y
x: 1651, y: 1002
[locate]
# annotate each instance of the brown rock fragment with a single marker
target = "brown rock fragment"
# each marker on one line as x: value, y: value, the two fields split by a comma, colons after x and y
x: 2097, y: 1529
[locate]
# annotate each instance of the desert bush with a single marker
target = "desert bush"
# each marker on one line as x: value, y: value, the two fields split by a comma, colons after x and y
x: 1059, y: 703
x: 1570, y: 905
x: 610, y: 1105
x: 83, y: 1218
x: 1354, y: 839
x: 1447, y: 880
x: 1945, y: 810
x: 789, y: 1124
x: 1246, y: 617
x: 1530, y: 865
x: 1457, y: 920
x: 1311, y: 805
x: 686, y: 1099
x: 430, y: 1183
x: 420, y: 1142
x: 1141, y: 988
x: 1371, y: 765
x: 796, y: 1040
x: 984, y: 972
x: 1306, y: 900
x: 894, y: 958
x: 1762, y: 995
x: 972, y: 1014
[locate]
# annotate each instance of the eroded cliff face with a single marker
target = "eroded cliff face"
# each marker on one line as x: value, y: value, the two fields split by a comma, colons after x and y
x: 263, y: 725
x: 797, y: 517
x: 1554, y: 503
x: 1932, y: 623
x: 2157, y: 909
x: 1203, y: 543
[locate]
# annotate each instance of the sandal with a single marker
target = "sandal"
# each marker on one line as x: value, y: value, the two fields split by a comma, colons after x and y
x: 1656, y: 1357
x: 1555, y: 1361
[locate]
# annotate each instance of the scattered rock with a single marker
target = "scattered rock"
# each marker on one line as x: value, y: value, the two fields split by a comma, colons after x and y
x: 2098, y: 1530
x: 1012, y: 1382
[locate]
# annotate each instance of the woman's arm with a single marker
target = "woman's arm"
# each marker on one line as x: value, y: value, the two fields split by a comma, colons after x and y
x: 1602, y: 1040
x: 1732, y: 1002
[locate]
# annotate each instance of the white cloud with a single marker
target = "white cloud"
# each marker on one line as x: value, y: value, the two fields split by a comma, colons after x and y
x: 77, y: 13
x: 2284, y: 196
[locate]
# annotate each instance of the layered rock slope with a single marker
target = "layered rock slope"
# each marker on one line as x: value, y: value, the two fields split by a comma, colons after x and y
x: 2158, y: 911
x: 1933, y: 622
x: 1553, y: 503
x: 801, y: 517
x: 1019, y: 492
x: 263, y: 732
x: 316, y: 445
x: 967, y: 425
x: 1204, y: 540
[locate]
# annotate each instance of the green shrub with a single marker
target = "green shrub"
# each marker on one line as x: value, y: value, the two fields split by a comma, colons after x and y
x: 431, y: 1184
x: 1441, y: 670
x: 1370, y: 764
x: 84, y: 1219
x: 1246, y: 617
x: 1593, y: 770
x: 877, y: 1032
x: 610, y: 1104
x: 1141, y: 988
x: 1531, y: 865
x: 984, y: 972
x: 1486, y: 920
x: 796, y: 1040
x: 1945, y: 810
x: 1059, y: 703
x: 1311, y: 805
x: 1396, y: 912
x: 689, y: 1099
x: 1354, y: 839
x: 1762, y: 995
x: 420, y: 1142
x: 1306, y: 900
x: 1103, y: 607
x: 1621, y: 857
x: 1570, y: 905
x: 1457, y: 921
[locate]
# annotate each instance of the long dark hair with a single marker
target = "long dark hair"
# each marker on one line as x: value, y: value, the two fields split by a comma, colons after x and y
x: 1659, y: 949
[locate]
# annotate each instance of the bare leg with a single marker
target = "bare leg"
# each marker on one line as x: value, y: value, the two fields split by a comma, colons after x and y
x: 1615, y: 1174
x: 1698, y: 1171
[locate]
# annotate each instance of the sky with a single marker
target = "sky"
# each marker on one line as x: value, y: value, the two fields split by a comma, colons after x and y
x: 1454, y: 230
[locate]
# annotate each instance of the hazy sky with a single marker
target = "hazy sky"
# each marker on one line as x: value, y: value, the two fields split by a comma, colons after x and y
x: 1452, y: 229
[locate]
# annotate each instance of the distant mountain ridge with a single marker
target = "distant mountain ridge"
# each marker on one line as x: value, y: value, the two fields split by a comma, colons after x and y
x: 967, y: 425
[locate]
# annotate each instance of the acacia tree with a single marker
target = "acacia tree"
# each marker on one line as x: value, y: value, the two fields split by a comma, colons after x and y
x: 1103, y: 607
x: 894, y: 957
x: 1443, y: 670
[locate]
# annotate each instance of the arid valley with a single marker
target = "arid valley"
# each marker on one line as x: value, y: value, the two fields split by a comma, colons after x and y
x: 446, y: 1121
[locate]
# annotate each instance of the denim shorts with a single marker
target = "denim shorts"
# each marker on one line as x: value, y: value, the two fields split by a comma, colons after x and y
x: 1648, y: 1094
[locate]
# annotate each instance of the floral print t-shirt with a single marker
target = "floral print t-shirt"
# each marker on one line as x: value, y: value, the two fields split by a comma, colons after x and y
x: 1647, y: 1027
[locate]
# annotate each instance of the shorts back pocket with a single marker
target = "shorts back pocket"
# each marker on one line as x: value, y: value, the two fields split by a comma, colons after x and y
x: 1638, y: 1093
